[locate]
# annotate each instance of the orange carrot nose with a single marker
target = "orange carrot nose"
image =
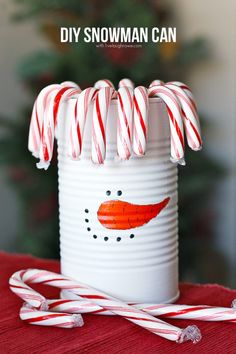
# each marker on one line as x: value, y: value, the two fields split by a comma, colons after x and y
x: 119, y: 215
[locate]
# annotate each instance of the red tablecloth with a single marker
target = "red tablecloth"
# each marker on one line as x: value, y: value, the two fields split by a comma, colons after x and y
x: 103, y: 334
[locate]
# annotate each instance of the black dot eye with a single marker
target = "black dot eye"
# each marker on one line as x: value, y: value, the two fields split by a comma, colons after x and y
x: 94, y: 236
x: 88, y: 228
x: 105, y: 238
x: 86, y: 210
x: 131, y: 236
x: 119, y: 193
x: 108, y: 192
x: 118, y: 239
x: 86, y: 220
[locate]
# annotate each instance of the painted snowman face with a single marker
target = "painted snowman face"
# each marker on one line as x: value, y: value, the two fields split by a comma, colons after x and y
x: 119, y: 218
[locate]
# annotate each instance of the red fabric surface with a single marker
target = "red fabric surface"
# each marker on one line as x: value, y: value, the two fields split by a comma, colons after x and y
x: 103, y: 334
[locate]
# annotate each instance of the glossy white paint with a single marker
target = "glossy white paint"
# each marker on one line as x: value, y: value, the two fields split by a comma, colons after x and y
x: 143, y: 268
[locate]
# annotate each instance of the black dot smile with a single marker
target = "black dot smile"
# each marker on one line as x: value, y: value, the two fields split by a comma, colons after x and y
x: 106, y: 238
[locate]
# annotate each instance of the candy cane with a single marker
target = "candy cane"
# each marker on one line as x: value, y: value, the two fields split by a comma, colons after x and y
x: 154, y: 325
x: 140, y: 120
x: 50, y: 123
x: 190, y: 117
x: 103, y: 83
x: 78, y: 121
x: 35, y: 130
x: 175, y: 120
x: 126, y: 83
x: 124, y: 122
x: 44, y: 318
x: 100, y: 112
x: 156, y: 83
x: 186, y: 312
x: 186, y: 90
x: 70, y: 84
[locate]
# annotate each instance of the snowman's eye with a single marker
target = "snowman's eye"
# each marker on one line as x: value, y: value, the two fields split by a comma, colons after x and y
x: 108, y: 192
x: 119, y: 193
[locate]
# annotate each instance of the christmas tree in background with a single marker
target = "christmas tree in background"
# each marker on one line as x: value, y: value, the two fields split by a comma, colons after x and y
x: 85, y: 63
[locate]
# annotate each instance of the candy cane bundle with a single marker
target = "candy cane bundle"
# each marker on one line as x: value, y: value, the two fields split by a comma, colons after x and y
x: 132, y: 121
x: 18, y: 285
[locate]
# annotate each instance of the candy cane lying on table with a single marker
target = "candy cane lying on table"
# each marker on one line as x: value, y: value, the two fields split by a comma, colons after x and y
x: 140, y: 120
x: 18, y: 285
x: 175, y: 119
x: 100, y: 113
x: 78, y: 120
x: 175, y: 311
x: 124, y: 122
x: 190, y: 117
x: 33, y: 316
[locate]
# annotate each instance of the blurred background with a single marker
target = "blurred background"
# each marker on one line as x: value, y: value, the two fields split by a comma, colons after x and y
x: 204, y: 57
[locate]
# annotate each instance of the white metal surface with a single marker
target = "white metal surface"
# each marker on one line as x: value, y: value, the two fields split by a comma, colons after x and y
x: 138, y: 264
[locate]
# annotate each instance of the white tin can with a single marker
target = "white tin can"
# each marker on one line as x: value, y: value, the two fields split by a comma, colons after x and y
x: 119, y: 220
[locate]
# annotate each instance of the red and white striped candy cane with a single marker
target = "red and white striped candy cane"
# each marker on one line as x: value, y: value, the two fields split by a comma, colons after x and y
x: 124, y: 122
x: 175, y: 119
x: 140, y: 120
x: 156, y: 83
x: 175, y: 311
x: 126, y: 83
x: 186, y: 90
x: 50, y: 123
x: 33, y: 316
x: 70, y: 84
x: 103, y: 83
x: 100, y: 113
x: 190, y: 312
x: 35, y: 130
x: 78, y: 120
x: 117, y: 307
x: 190, y: 117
